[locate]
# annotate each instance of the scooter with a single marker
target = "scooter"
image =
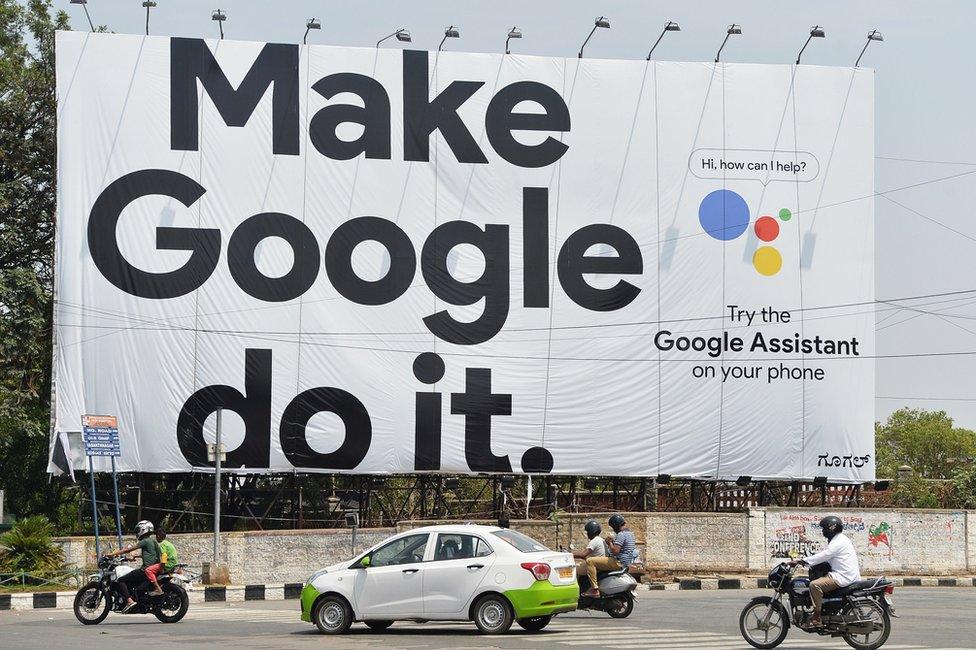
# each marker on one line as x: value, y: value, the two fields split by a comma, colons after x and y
x: 616, y: 593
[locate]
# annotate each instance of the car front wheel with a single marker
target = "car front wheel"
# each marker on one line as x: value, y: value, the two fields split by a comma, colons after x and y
x: 493, y: 614
x: 332, y: 615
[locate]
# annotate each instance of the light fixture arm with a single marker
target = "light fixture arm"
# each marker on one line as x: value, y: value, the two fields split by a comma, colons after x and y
x: 220, y: 24
x: 580, y: 55
x: 507, y: 39
x: 718, y: 54
x: 653, y: 47
x: 305, y: 37
x: 863, y: 49
x: 147, y: 18
x: 390, y: 36
x: 88, y: 16
x: 442, y: 42
x: 809, y: 38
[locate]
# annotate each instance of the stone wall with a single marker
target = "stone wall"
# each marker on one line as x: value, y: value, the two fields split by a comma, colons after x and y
x: 891, y: 541
x: 895, y: 541
x: 255, y: 557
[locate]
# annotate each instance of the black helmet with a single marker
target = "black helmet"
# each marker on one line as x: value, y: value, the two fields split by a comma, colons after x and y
x: 592, y: 529
x: 616, y: 521
x: 831, y: 525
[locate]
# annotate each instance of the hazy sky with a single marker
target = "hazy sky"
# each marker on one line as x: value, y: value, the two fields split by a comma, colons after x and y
x: 926, y: 90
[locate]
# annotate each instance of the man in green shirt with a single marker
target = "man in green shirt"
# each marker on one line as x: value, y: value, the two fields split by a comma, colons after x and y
x: 150, y: 556
x: 166, y: 546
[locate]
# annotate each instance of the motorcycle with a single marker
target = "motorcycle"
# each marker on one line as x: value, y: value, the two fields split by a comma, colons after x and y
x: 616, y: 593
x: 100, y: 595
x: 860, y: 612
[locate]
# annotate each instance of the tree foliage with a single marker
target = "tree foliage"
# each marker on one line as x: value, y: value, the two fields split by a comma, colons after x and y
x: 925, y: 440
x: 27, y: 199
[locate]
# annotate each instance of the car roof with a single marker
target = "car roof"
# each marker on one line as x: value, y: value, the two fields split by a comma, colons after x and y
x: 455, y: 528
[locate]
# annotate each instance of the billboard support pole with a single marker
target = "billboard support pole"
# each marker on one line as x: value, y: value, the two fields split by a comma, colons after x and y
x: 217, y: 450
x: 118, y: 516
x: 91, y: 475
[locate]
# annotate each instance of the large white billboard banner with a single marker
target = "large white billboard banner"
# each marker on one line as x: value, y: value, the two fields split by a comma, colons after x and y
x: 400, y: 261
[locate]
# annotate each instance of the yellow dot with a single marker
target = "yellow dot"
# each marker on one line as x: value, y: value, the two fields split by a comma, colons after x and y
x: 767, y: 260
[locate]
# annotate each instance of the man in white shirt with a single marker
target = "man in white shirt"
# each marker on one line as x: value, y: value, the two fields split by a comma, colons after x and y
x: 841, y: 556
x: 596, y: 547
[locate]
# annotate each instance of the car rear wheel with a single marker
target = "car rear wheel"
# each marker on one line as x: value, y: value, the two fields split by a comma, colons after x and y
x: 493, y: 614
x: 332, y: 615
x: 535, y: 623
x: 378, y: 625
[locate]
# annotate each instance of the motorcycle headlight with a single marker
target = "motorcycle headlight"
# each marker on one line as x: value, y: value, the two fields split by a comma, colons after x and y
x: 315, y: 575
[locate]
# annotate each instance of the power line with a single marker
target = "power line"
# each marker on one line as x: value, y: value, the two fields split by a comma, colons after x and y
x: 928, y: 161
x: 933, y: 399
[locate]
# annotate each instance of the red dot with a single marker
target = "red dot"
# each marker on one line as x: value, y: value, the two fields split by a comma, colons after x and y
x: 767, y: 228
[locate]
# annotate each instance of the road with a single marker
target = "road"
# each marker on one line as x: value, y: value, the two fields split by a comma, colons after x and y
x: 930, y: 618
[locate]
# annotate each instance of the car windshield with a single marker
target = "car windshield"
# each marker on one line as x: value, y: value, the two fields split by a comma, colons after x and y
x: 522, y: 542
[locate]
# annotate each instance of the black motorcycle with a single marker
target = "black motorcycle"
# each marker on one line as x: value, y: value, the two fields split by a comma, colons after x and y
x: 100, y: 596
x: 860, y: 612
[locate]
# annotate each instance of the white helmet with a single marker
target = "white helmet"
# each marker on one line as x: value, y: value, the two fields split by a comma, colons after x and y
x: 143, y: 528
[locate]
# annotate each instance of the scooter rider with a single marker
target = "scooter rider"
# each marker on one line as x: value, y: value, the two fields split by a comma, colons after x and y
x: 150, y: 555
x: 596, y: 547
x: 841, y: 557
x: 623, y: 551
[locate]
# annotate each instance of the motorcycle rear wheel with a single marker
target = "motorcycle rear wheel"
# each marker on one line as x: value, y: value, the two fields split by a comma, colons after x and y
x: 91, y: 606
x: 623, y: 607
x: 873, y: 640
x: 172, y: 606
x: 751, y: 618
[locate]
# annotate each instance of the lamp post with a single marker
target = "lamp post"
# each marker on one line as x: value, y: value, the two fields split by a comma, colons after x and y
x: 220, y: 17
x: 733, y: 29
x: 84, y: 5
x: 603, y: 22
x: 401, y: 34
x: 514, y: 32
x: 310, y: 24
x: 449, y: 32
x: 873, y: 35
x: 669, y: 27
x: 815, y: 32
x: 148, y: 4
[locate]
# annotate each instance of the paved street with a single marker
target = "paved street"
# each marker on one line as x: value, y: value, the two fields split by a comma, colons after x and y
x: 930, y: 619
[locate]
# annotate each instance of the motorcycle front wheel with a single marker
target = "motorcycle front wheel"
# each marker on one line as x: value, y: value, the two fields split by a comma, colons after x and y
x: 869, y: 611
x: 622, y: 606
x: 91, y: 605
x: 756, y: 630
x: 172, y: 606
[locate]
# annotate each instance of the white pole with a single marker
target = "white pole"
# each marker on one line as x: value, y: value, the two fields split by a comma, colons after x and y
x: 528, y: 497
x: 217, y: 450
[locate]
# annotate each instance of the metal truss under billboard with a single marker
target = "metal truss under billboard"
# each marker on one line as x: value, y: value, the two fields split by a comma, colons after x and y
x: 380, y: 261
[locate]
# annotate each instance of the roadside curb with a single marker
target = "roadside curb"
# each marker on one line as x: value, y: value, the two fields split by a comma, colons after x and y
x: 708, y: 584
x: 197, y: 594
x: 293, y: 590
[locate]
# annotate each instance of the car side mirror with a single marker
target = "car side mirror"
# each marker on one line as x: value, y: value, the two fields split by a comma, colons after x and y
x: 363, y: 563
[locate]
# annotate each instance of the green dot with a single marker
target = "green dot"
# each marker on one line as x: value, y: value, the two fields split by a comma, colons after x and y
x: 785, y: 214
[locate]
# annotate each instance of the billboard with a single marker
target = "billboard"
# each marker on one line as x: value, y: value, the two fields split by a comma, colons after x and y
x: 402, y: 261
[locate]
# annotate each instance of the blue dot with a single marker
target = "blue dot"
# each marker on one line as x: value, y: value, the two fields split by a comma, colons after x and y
x: 724, y: 215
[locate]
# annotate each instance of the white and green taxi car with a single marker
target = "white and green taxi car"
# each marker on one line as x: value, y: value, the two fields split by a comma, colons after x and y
x: 492, y: 576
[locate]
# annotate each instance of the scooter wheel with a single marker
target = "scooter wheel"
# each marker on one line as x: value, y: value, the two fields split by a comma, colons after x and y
x: 622, y: 606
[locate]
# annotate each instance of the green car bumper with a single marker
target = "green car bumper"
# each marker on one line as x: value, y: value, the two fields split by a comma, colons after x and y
x: 543, y: 598
x: 309, y: 594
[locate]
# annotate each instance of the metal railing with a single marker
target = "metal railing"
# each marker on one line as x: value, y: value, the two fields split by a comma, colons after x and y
x: 28, y: 580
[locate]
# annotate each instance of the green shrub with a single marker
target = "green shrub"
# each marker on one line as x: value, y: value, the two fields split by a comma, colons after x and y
x: 28, y: 547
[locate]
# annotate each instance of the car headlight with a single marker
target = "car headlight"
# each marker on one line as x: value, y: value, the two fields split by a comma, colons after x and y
x: 315, y: 575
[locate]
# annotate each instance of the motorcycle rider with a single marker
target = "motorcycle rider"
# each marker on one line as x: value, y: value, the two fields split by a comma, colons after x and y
x: 596, y: 547
x: 623, y: 551
x: 149, y: 548
x: 841, y: 557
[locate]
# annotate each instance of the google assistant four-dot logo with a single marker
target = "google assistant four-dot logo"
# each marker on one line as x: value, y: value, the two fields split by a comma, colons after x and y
x: 724, y: 215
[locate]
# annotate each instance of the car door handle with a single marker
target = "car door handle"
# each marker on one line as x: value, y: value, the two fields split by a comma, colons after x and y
x: 476, y: 566
x: 411, y: 570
